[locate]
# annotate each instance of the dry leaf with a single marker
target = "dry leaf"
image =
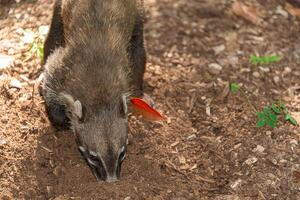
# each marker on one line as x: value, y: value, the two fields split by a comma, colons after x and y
x: 248, y: 13
x: 182, y: 159
x: 297, y: 176
x: 292, y: 10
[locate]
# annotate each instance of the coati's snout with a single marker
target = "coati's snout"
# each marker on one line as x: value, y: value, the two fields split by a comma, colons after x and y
x: 101, y: 135
x: 98, y: 166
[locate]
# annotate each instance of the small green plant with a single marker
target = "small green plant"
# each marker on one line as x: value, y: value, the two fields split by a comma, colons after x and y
x: 234, y: 88
x: 37, y: 48
x: 264, y: 59
x: 36, y: 40
x: 270, y: 114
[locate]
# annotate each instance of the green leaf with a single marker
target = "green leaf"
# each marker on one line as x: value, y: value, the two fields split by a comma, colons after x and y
x: 275, y: 108
x: 267, y: 110
x: 267, y: 117
x: 264, y: 60
x: 273, y: 117
x: 273, y: 121
x: 261, y: 123
x: 254, y: 60
x: 234, y: 88
x: 289, y: 118
x: 40, y: 51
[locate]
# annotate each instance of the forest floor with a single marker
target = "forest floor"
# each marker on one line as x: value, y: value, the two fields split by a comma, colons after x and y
x: 209, y: 148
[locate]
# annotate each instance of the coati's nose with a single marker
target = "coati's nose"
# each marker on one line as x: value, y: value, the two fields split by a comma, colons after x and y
x: 98, y: 168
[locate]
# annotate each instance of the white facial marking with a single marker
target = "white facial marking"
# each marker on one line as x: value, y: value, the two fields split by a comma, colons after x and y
x: 81, y: 148
x: 122, y: 149
x: 124, y: 100
x: 92, y: 153
x: 78, y: 109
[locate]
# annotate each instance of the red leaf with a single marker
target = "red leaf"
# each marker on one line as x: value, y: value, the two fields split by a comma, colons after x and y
x: 142, y: 108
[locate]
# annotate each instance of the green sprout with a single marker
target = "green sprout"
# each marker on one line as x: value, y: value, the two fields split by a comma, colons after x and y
x: 266, y: 117
x: 270, y: 114
x: 234, y: 88
x: 264, y: 59
x: 36, y: 40
x: 37, y: 48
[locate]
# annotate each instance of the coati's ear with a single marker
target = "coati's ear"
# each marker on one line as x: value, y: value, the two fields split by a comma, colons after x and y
x: 74, y: 107
x: 141, y: 107
x: 78, y: 109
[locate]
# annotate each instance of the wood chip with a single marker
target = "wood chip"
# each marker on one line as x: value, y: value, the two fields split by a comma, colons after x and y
x: 292, y: 10
x: 248, y: 13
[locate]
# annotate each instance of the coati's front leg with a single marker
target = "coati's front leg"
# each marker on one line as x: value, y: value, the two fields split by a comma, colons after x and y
x: 55, y: 37
x: 56, y: 111
x: 138, y: 56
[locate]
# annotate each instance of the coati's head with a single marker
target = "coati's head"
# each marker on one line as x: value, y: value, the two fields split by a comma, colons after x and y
x: 94, y: 101
x: 101, y: 134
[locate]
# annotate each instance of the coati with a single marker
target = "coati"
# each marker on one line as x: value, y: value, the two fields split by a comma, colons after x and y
x: 94, y: 59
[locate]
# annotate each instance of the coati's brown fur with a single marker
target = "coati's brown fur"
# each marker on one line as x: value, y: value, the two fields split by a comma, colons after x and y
x: 94, y: 53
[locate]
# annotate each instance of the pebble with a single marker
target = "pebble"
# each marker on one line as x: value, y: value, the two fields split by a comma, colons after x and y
x: 251, y: 161
x: 287, y: 70
x: 192, y: 137
x: 236, y: 184
x: 264, y: 69
x: 15, y: 83
x: 5, y: 61
x: 256, y: 74
x: 294, y: 142
x: 280, y: 11
x: 127, y: 198
x: 219, y: 49
x: 245, y: 70
x: 274, y: 161
x: 233, y: 61
x: 276, y: 79
x: 49, y: 190
x: 283, y: 161
x: 227, y: 197
x: 259, y: 149
x: 215, y: 68
x: 57, y: 171
x: 268, y: 133
x: 2, y: 142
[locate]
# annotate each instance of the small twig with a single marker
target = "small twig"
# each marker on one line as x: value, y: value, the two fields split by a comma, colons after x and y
x: 261, y: 195
x: 248, y: 100
x: 172, y: 166
x: 192, y: 102
x: 200, y: 178
x: 47, y: 149
x: 32, y: 97
x: 169, y: 105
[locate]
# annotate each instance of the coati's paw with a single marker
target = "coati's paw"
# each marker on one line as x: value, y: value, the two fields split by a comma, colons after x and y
x: 57, y: 116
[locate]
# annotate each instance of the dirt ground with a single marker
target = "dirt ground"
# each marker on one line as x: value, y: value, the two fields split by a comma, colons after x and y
x: 209, y: 148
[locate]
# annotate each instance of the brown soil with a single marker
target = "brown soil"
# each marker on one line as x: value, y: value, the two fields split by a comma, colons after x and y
x: 196, y: 154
